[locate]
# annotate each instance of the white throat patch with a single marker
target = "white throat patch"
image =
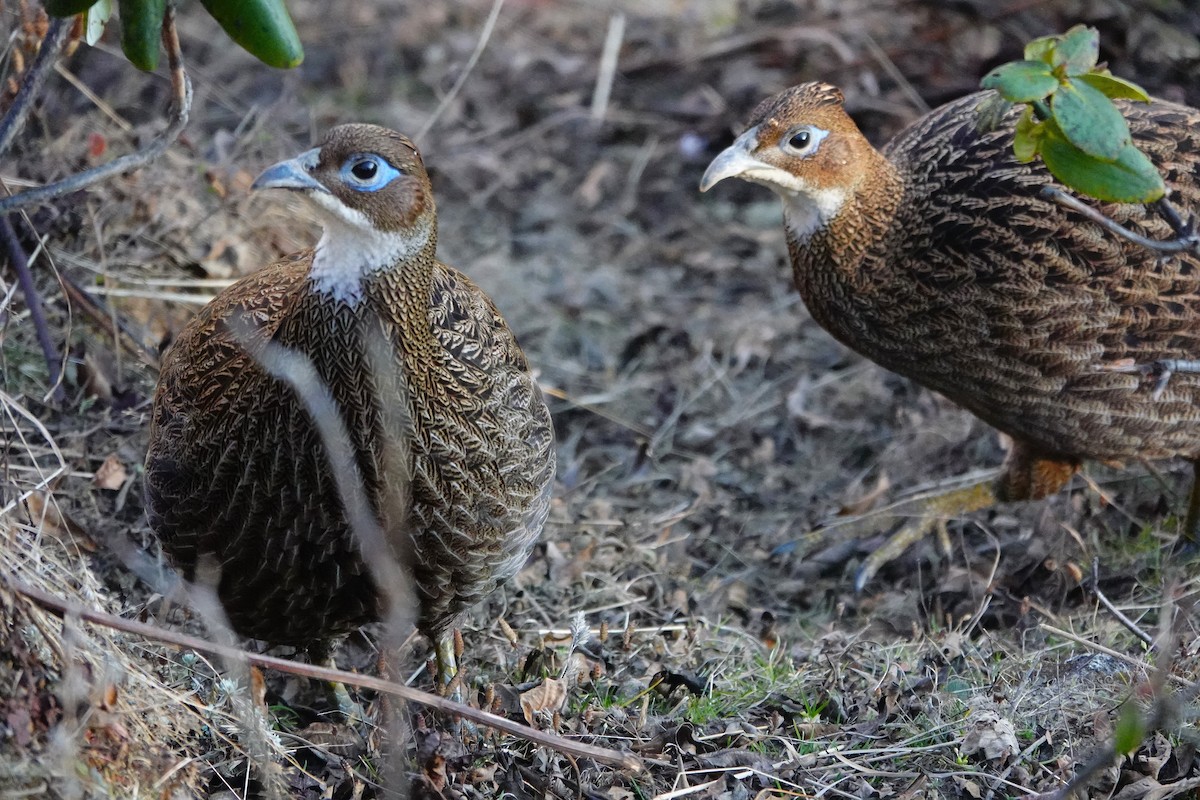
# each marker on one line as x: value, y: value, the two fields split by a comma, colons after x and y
x: 807, y: 211
x: 351, y: 248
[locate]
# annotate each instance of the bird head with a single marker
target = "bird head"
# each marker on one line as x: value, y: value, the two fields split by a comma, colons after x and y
x: 370, y: 187
x: 364, y: 175
x: 803, y: 145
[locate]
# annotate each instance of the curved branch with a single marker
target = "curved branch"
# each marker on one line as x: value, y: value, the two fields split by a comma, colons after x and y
x: 35, y: 79
x: 1186, y: 239
x: 64, y: 608
x: 181, y: 103
x: 33, y: 302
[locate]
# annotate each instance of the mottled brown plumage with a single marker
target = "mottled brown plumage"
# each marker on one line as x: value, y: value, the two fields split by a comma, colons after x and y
x: 937, y: 258
x: 450, y: 434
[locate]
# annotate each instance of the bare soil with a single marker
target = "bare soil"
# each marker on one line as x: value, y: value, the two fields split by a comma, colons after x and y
x: 708, y: 430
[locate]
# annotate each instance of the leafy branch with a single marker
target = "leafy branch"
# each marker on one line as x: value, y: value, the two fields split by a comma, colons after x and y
x: 1072, y: 123
x: 1070, y: 119
x: 261, y: 27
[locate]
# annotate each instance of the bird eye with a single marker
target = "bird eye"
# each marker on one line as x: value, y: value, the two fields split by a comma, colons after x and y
x: 365, y: 170
x: 804, y: 140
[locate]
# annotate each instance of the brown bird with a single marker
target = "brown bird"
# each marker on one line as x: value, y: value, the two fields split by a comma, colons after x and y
x: 449, y: 440
x: 937, y: 258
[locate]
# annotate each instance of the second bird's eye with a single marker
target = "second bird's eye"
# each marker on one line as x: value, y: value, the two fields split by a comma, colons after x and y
x: 365, y: 170
x: 800, y: 140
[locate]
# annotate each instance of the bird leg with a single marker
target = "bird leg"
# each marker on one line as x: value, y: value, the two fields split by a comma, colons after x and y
x: 354, y: 713
x: 1028, y: 474
x: 448, y: 649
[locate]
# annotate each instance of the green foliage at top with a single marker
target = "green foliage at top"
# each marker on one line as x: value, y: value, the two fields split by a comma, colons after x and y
x: 1070, y: 119
x: 261, y: 27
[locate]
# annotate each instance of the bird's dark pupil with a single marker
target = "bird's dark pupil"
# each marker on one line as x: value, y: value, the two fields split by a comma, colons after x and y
x: 365, y: 170
x: 800, y: 140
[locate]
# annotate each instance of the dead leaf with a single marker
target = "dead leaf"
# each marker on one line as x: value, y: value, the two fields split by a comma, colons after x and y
x: 549, y: 697
x: 94, y: 374
x: 591, y: 190
x: 111, y: 474
x: 45, y: 515
x: 258, y: 687
x: 992, y: 735
x: 97, y: 144
x: 1140, y: 790
x: 967, y: 788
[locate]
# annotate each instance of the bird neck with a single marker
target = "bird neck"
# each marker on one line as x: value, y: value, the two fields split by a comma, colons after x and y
x: 350, y: 257
x: 828, y: 246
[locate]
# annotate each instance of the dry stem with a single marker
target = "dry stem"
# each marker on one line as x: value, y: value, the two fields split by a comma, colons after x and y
x: 62, y: 608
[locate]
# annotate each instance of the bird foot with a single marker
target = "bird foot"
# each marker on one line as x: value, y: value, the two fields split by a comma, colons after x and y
x: 897, y: 544
x: 927, y: 513
x: 354, y: 713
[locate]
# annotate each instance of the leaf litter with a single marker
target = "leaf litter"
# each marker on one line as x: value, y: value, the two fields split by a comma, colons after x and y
x: 706, y: 425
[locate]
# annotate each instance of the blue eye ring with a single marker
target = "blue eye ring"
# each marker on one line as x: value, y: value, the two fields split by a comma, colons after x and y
x: 367, y: 172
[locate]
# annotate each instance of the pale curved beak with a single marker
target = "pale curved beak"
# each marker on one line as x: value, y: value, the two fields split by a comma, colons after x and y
x: 732, y: 161
x: 295, y: 174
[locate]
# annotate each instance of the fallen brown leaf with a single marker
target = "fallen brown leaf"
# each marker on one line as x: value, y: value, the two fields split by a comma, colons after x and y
x: 111, y: 474
x: 45, y: 515
x: 549, y: 697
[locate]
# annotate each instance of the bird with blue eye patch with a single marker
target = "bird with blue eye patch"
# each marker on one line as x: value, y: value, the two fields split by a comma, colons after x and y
x: 451, y: 440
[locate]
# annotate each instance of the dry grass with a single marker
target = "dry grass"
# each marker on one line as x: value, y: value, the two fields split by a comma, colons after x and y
x: 705, y: 425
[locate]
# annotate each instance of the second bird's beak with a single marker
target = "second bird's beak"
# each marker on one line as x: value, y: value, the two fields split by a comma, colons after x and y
x: 292, y: 174
x: 732, y: 161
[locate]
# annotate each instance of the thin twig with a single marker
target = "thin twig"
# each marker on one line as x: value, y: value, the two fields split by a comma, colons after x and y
x: 35, y: 79
x: 484, y: 35
x: 181, y: 103
x: 1163, y: 711
x: 1146, y: 638
x: 115, y: 327
x: 608, y: 66
x: 889, y: 66
x: 1108, y: 651
x: 1161, y: 370
x: 33, y: 301
x: 1186, y: 238
x: 627, y: 761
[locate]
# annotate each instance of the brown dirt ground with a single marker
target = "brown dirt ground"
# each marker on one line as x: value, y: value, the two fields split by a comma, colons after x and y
x: 705, y: 425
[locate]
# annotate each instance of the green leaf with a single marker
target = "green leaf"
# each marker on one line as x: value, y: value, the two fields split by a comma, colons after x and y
x: 990, y: 113
x: 1027, y: 138
x: 66, y: 8
x: 95, y: 19
x: 262, y: 27
x: 1089, y: 120
x: 1114, y: 87
x: 141, y: 31
x: 1131, y: 178
x: 1021, y: 81
x: 1130, y: 729
x: 1078, y: 50
x: 1042, y: 49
